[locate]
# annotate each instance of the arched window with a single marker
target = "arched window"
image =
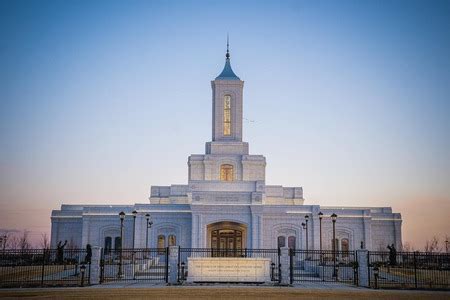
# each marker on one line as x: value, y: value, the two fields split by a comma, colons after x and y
x: 226, y: 172
x: 172, y: 240
x: 281, y: 241
x: 291, y: 242
x: 117, y: 243
x: 227, y: 115
x: 161, y: 242
x: 108, y: 245
x: 344, y: 247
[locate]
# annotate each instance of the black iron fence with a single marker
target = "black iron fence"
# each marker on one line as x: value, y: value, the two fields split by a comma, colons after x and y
x: 185, y: 253
x: 134, y: 264
x: 326, y: 265
x: 44, y: 267
x: 419, y: 270
x: 72, y: 267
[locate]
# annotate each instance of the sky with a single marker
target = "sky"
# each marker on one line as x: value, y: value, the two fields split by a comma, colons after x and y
x: 99, y: 100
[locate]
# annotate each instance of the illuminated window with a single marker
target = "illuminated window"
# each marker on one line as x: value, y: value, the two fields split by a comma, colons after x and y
x: 226, y: 172
x: 161, y: 242
x: 344, y: 247
x: 227, y: 115
x: 281, y: 241
x: 172, y: 240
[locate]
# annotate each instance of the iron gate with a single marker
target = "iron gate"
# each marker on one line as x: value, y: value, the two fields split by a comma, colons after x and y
x: 134, y: 264
x: 325, y: 265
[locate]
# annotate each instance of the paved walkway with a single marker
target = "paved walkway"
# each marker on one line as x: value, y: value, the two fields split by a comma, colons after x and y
x: 220, y: 291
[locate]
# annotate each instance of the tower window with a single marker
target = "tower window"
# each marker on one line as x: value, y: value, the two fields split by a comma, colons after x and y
x: 227, y: 115
x: 226, y: 172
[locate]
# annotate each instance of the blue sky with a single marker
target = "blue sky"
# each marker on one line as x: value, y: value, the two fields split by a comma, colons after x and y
x: 99, y: 100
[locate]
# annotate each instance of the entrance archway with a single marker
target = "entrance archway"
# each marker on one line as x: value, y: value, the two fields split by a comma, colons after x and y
x: 227, y: 238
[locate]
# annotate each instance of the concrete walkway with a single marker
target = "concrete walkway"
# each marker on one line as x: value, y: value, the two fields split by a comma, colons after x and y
x: 220, y: 291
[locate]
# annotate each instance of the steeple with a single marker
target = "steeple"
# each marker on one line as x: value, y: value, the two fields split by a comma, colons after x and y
x: 227, y: 72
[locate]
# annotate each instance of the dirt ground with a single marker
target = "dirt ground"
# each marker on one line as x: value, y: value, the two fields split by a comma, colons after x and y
x: 216, y: 293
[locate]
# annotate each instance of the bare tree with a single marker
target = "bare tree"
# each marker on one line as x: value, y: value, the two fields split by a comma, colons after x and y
x: 407, y: 247
x: 432, y: 245
x: 12, y: 242
x: 44, y: 243
x: 24, y: 243
x: 445, y: 242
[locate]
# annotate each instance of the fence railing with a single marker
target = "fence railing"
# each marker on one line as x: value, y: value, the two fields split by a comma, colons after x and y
x: 72, y: 267
x: 419, y: 270
x: 326, y: 265
x: 44, y: 267
x: 134, y: 264
x: 185, y: 253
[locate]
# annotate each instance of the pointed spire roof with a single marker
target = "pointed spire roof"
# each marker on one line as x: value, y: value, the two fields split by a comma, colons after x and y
x: 227, y: 72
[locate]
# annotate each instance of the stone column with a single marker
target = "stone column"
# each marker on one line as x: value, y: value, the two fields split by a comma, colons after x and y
x: 95, y: 264
x: 363, y: 275
x: 285, y: 266
x: 173, y: 264
x: 367, y: 221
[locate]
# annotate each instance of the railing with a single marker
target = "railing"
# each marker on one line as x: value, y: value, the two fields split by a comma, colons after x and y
x: 44, y: 267
x: 134, y: 264
x: 419, y: 270
x: 325, y: 265
x: 185, y: 253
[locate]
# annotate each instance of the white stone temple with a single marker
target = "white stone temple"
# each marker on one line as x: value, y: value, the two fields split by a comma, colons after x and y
x: 226, y: 202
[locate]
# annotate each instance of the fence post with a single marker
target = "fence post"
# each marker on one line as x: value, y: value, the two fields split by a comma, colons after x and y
x: 95, y: 265
x: 363, y: 267
x: 43, y: 267
x: 173, y: 264
x: 291, y: 265
x: 284, y: 266
x: 415, y: 269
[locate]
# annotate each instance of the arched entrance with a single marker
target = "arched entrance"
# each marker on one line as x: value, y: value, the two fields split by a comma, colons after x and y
x: 227, y: 238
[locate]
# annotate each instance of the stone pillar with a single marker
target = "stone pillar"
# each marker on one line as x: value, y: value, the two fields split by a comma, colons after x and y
x: 285, y: 266
x: 95, y: 264
x: 367, y: 221
x: 363, y: 275
x: 173, y: 264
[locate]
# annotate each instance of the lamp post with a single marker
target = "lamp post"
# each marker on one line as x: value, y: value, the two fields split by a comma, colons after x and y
x: 446, y: 246
x: 320, y: 230
x: 149, y: 225
x: 320, y: 235
x: 122, y: 217
x: 134, y: 227
x: 333, y: 219
x: 306, y: 228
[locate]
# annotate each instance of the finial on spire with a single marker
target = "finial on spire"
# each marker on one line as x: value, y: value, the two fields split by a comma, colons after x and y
x: 228, y: 48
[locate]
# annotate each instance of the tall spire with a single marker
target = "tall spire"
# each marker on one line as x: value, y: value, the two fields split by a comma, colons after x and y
x: 228, y: 48
x: 227, y: 72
